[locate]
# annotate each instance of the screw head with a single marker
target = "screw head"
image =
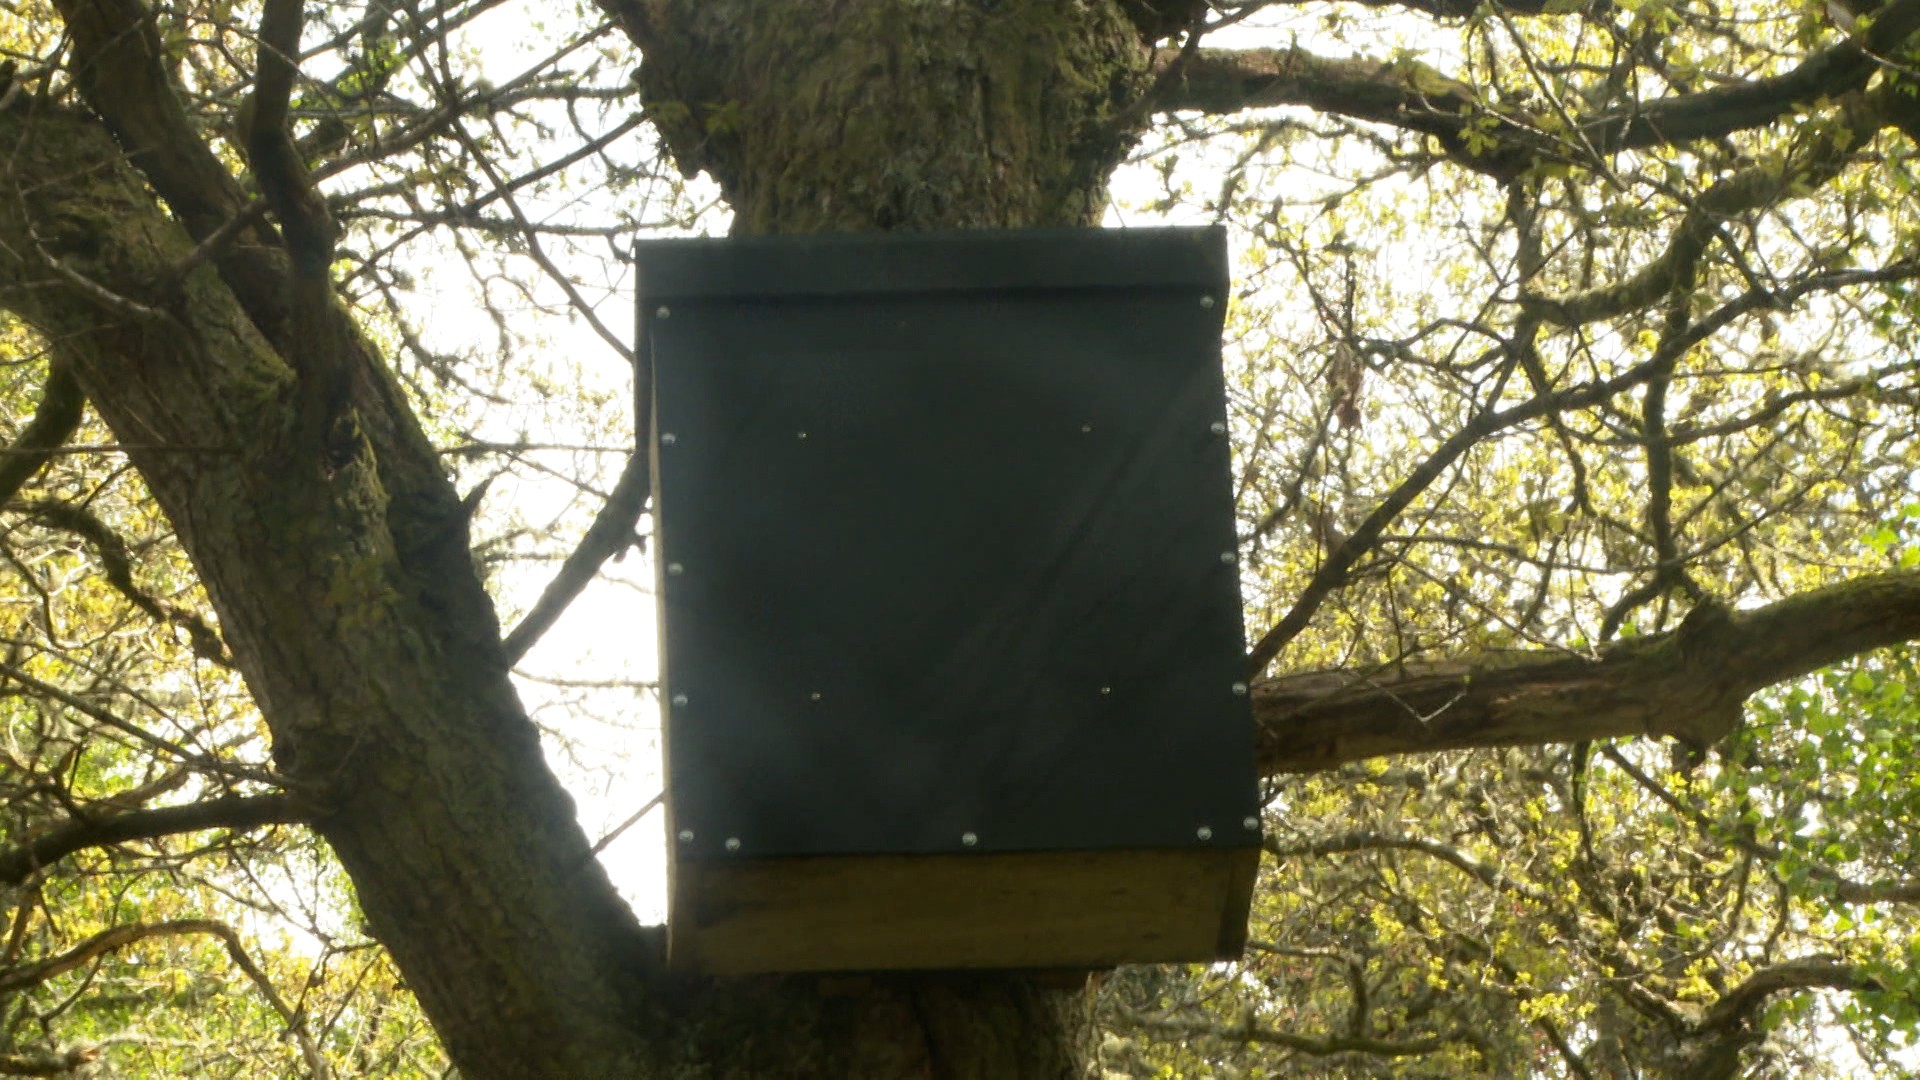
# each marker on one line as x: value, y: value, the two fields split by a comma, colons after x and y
x: 814, y: 696
x: 1239, y: 689
x: 1250, y: 823
x: 662, y: 311
x: 733, y: 843
x: 686, y: 836
x: 1226, y: 558
x: 1086, y: 429
x: 679, y: 699
x: 1218, y: 427
x: 1106, y: 691
x: 968, y: 839
x: 1207, y: 301
x: 1203, y: 833
x: 667, y: 438
x: 801, y: 435
x: 675, y: 569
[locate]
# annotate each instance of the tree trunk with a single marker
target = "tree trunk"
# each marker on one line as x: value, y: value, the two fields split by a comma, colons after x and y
x: 895, y: 115
x: 339, y: 565
x: 343, y: 584
x: 819, y: 116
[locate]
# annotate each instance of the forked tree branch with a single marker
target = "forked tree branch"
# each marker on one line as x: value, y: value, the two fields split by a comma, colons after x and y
x: 1417, y: 97
x: 1736, y: 1007
x: 117, y: 63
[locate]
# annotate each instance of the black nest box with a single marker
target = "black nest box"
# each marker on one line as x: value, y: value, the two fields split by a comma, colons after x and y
x: 953, y: 661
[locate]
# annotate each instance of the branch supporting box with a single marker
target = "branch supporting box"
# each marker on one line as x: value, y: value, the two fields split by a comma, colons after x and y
x: 949, y: 601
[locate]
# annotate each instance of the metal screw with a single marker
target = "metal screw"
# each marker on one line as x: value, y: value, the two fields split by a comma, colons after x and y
x: 968, y: 839
x: 686, y: 836
x: 802, y: 435
x: 1106, y: 690
x: 1226, y: 557
x: 1207, y: 301
x: 1203, y: 833
x: 1086, y: 429
x: 733, y: 843
x: 667, y: 439
x: 675, y: 569
x: 1239, y: 689
x: 679, y: 699
x: 815, y: 696
x: 662, y: 311
x: 1218, y: 427
x: 1251, y: 824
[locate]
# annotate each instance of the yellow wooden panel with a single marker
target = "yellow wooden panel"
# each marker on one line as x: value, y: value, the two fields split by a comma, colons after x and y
x: 1030, y: 910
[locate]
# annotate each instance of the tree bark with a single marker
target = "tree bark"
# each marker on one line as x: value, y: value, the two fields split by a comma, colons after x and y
x: 336, y: 552
x: 891, y: 114
x: 1690, y: 685
x: 341, y: 575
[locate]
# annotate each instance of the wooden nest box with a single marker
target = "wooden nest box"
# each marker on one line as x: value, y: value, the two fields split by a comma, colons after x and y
x: 953, y: 660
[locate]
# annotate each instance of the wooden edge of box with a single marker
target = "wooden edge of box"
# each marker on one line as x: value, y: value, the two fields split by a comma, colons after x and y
x: 692, y: 269
x: 1083, y: 909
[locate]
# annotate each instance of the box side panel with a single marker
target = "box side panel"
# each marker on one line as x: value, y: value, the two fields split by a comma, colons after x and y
x: 950, y: 574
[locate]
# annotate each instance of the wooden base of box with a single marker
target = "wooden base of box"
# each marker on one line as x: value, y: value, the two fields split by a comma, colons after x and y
x: 1086, y: 910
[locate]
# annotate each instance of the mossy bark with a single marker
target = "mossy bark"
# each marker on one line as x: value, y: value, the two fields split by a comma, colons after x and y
x: 345, y: 588
x: 819, y: 115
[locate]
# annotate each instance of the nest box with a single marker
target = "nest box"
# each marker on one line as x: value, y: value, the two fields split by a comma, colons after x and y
x: 949, y: 605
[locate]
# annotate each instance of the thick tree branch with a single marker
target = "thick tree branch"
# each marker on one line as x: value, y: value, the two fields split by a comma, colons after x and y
x: 1689, y: 684
x: 1406, y: 94
x: 1416, y: 97
x: 118, y: 65
x: 51, y: 1063
x: 226, y: 812
x: 1736, y: 1006
x: 1891, y: 891
x: 1163, y: 18
x: 271, y: 152
x: 97, y: 946
x: 61, y: 404
x: 1831, y: 72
